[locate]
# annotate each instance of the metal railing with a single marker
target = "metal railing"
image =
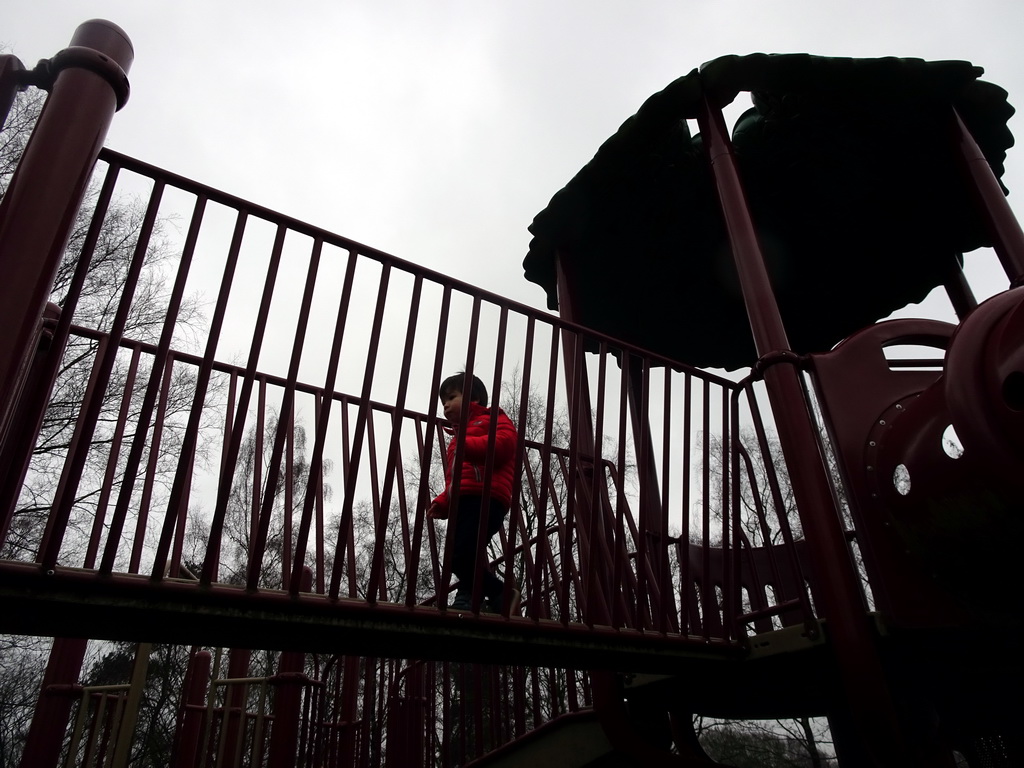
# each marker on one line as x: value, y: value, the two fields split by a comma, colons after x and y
x: 243, y: 395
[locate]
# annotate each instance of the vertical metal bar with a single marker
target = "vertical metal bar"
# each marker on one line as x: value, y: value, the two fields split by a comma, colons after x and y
x: 375, y: 500
x: 161, y: 359
x: 403, y: 513
x: 99, y: 732
x: 142, y: 519
x: 624, y: 613
x: 289, y: 492
x: 109, y: 478
x: 256, y: 752
x: 189, y: 732
x: 369, y: 696
x: 397, y: 419
x: 777, y: 500
x: 519, y: 702
x: 579, y: 427
x: 836, y: 587
x: 543, y: 545
x: 126, y: 729
x: 235, y: 696
x: 667, y: 614
x: 1002, y: 224
x: 515, y: 510
x: 596, y: 578
x: 178, y: 543
x: 707, y: 601
x: 730, y: 548
x: 177, y: 503
x: 426, y: 454
x: 349, y: 696
x: 319, y: 547
x: 958, y: 289
x: 482, y: 538
x: 288, y: 694
x: 256, y: 548
x: 92, y: 403
x: 446, y: 710
x: 476, y: 703
x: 228, y: 466
x: 362, y: 416
x: 316, y: 461
x: 639, y: 394
x: 37, y: 211
x: 16, y: 454
x: 46, y: 733
x: 32, y: 406
x: 685, y: 582
x: 462, y: 670
x: 455, y: 477
x: 76, y: 730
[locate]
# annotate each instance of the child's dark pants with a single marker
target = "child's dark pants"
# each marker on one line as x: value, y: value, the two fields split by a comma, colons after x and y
x: 467, y: 525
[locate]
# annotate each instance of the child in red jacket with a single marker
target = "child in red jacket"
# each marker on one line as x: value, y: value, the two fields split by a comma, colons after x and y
x: 471, y: 486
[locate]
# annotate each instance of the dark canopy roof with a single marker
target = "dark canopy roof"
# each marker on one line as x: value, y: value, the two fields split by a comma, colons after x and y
x: 853, y: 185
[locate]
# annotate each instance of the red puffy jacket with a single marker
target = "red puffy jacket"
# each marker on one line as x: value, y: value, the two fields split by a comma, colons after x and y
x: 474, y: 457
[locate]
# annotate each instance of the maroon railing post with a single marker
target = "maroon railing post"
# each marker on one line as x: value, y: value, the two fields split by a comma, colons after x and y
x: 836, y: 589
x: 233, y: 730
x: 1002, y: 224
x: 597, y: 605
x: 56, y: 697
x: 288, y: 682
x: 39, y: 207
x: 16, y: 453
x: 348, y: 743
x: 193, y: 706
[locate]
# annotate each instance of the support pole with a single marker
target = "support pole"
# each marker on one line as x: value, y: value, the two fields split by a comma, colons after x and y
x: 38, y: 211
x: 59, y: 691
x: 288, y: 683
x: 190, y: 730
x: 1003, y: 227
x: 836, y: 588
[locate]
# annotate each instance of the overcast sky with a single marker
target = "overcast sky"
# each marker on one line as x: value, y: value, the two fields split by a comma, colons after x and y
x: 436, y: 129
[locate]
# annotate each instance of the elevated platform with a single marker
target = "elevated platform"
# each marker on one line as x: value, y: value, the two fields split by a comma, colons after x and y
x: 68, y: 603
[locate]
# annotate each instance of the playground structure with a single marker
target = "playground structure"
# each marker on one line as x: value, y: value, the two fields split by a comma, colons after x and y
x: 270, y: 493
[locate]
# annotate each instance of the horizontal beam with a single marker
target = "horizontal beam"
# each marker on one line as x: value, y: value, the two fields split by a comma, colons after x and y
x: 78, y: 603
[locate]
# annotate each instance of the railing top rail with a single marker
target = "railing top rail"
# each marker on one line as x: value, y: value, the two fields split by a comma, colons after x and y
x: 262, y: 212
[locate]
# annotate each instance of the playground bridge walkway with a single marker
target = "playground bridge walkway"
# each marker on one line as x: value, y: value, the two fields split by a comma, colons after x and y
x: 279, y: 499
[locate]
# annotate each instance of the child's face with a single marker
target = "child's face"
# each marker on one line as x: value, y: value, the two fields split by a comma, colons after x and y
x: 451, y: 402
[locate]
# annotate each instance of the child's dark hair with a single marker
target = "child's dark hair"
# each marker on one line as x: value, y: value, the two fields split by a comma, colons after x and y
x: 477, y: 394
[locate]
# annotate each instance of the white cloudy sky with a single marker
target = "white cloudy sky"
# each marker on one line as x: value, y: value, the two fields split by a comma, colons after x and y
x: 437, y: 129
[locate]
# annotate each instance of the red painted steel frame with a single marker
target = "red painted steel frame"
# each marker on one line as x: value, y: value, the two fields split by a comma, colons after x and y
x: 48, y: 188
x: 596, y: 562
x: 836, y: 588
x: 1006, y: 232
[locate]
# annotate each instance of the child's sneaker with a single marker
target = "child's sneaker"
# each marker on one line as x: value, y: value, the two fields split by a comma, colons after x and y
x: 462, y: 602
